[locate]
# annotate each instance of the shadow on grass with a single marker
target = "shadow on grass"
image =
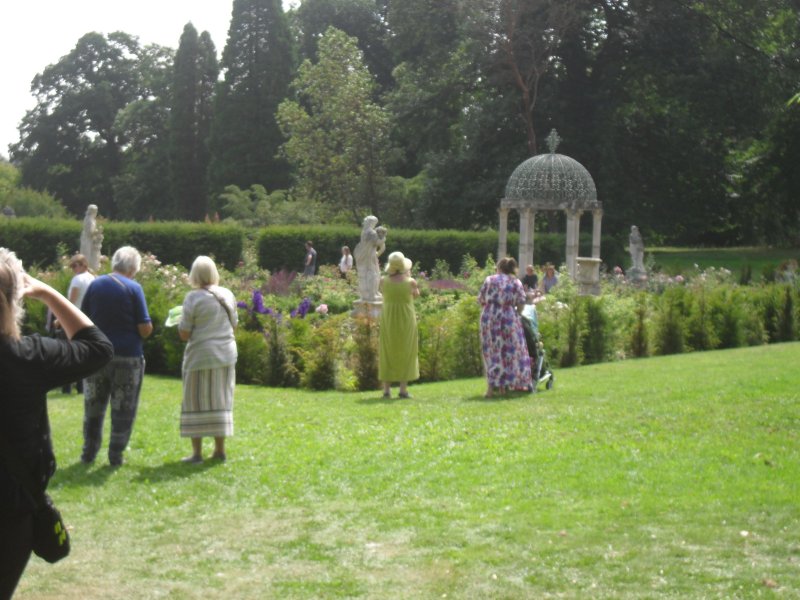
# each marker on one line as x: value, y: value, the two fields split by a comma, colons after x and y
x: 80, y: 473
x: 381, y: 400
x: 174, y: 470
x: 496, y: 398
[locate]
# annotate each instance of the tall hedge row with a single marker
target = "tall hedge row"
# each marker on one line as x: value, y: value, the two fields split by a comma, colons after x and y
x: 281, y: 247
x: 36, y: 240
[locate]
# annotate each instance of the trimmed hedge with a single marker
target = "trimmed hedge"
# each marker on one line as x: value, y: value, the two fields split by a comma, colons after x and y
x: 36, y: 240
x: 281, y: 247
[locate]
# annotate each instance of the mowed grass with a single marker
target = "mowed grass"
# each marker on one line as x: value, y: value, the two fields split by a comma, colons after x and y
x: 676, y: 261
x: 670, y: 477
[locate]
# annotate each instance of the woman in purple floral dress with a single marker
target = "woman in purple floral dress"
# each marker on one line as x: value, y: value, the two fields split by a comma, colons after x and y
x: 505, y: 355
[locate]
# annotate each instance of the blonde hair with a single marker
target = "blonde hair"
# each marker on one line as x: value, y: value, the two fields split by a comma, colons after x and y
x: 79, y: 260
x: 204, y: 272
x: 11, y: 284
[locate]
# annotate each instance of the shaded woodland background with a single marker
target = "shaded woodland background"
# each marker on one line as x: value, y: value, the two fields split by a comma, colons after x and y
x: 419, y: 110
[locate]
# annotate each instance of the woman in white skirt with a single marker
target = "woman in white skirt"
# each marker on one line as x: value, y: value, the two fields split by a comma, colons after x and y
x: 207, y: 323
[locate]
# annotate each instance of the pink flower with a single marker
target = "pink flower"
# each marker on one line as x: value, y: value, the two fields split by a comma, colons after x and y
x: 678, y: 278
x: 322, y: 309
x: 617, y: 270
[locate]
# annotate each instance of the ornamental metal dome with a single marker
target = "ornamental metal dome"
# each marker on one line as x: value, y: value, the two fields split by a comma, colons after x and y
x: 551, y: 182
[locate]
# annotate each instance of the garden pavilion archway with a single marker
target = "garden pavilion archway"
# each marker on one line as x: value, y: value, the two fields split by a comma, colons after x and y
x: 551, y: 182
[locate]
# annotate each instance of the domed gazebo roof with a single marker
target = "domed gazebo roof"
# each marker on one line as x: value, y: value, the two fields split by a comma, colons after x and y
x: 551, y: 182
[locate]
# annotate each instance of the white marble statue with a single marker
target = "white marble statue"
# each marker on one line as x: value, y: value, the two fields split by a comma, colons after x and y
x: 636, y: 248
x: 91, y: 238
x: 366, y: 253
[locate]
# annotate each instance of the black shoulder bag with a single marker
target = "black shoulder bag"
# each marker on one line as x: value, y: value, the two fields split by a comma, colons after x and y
x: 50, y: 536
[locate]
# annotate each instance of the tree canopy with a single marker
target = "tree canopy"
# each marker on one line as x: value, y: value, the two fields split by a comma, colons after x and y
x: 678, y: 108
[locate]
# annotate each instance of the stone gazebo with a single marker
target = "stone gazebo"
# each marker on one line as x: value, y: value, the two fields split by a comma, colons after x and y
x: 554, y: 182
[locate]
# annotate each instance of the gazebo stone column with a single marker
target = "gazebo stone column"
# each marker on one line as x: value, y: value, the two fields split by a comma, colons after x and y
x: 502, y: 234
x: 597, y: 218
x: 525, y: 238
x: 573, y: 231
x: 531, y: 224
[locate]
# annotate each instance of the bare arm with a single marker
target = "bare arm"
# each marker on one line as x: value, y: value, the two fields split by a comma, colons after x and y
x: 145, y: 329
x: 184, y: 335
x: 73, y: 295
x: 69, y: 316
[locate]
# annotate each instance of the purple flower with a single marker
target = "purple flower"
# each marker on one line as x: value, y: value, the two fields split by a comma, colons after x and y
x: 242, y: 304
x: 302, y: 309
x: 258, y: 302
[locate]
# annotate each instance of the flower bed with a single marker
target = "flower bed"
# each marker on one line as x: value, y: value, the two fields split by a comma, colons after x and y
x: 297, y: 331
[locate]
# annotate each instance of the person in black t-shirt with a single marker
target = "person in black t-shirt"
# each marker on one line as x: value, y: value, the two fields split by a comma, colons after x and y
x: 530, y: 280
x: 30, y: 365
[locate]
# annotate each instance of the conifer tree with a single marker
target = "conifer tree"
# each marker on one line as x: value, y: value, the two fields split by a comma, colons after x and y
x: 195, y: 75
x: 258, y: 64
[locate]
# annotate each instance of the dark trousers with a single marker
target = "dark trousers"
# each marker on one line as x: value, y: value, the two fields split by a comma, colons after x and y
x: 119, y: 384
x: 16, y: 543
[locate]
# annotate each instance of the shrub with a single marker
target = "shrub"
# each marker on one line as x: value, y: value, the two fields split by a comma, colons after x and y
x: 670, y: 333
x: 596, y: 338
x: 280, y: 371
x: 320, y: 359
x: 729, y: 316
x: 787, y: 320
x: 365, y: 336
x: 639, y: 344
x: 433, y: 336
x: 463, y: 355
x: 572, y: 354
x: 252, y: 366
x: 700, y: 334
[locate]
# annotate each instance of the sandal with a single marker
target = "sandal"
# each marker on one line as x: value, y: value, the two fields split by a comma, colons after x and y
x: 403, y: 395
x: 387, y: 395
x: 192, y: 459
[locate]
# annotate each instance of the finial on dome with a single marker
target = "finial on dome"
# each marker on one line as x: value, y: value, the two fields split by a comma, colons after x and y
x: 553, y: 140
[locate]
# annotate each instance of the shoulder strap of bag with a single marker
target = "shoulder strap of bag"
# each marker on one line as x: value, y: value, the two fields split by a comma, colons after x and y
x: 224, y: 306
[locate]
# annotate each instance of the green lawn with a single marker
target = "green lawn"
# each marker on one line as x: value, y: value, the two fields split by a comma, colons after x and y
x: 671, y: 477
x: 682, y: 260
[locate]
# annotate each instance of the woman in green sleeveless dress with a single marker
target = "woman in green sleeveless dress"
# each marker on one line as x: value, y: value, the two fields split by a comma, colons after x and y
x: 398, y: 326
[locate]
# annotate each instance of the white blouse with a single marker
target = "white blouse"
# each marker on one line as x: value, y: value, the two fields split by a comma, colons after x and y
x: 212, y: 343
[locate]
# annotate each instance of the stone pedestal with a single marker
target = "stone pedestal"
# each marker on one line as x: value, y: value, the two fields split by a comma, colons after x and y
x: 588, y: 276
x: 636, y: 276
x: 371, y: 310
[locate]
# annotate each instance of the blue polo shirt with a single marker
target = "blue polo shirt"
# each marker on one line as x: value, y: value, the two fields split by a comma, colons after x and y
x: 117, y: 305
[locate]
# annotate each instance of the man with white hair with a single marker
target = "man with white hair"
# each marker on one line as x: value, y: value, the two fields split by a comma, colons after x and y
x: 118, y: 307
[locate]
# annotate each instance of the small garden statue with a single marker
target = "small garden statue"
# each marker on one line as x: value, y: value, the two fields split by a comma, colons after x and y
x: 91, y: 238
x: 636, y: 248
x: 366, y: 253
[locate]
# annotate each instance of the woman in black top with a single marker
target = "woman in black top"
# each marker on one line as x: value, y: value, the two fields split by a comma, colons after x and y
x: 31, y: 365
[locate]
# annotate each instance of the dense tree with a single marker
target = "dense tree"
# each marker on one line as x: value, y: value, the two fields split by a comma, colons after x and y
x: 68, y: 143
x: 141, y: 189
x: 522, y: 38
x: 338, y: 138
x: 195, y: 74
x: 258, y: 64
x: 363, y: 20
x: 436, y: 69
x: 25, y: 202
x: 677, y: 108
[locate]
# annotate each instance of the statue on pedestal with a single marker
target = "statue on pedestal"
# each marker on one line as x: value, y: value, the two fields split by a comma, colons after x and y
x: 366, y: 253
x: 91, y: 238
x: 636, y: 248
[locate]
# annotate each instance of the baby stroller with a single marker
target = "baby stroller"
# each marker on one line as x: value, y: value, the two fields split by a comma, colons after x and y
x: 540, y: 367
